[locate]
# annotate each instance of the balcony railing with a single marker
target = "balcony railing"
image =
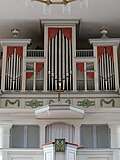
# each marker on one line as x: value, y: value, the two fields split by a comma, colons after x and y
x: 35, y: 53
x: 84, y: 53
x: 79, y: 53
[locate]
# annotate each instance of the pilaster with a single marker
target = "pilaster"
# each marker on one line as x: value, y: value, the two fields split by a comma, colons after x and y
x: 115, y: 135
x: 77, y: 134
x: 42, y: 135
x: 5, y: 134
x: 115, y: 140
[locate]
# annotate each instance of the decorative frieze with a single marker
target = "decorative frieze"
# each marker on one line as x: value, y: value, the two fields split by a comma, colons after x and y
x: 35, y: 102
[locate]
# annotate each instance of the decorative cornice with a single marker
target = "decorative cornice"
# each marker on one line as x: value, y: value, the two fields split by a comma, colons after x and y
x: 8, y: 42
x: 59, y: 22
x: 52, y: 95
x: 105, y: 41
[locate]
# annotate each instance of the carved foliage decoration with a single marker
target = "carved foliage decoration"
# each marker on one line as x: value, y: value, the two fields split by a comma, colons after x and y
x: 51, y: 101
x: 112, y: 101
x: 12, y: 102
x: 34, y: 103
x: 60, y: 145
x: 68, y: 101
x: 86, y: 103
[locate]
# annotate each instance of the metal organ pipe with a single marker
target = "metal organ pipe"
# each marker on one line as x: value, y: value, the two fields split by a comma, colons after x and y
x: 103, y: 74
x: 49, y: 66
x: 14, y: 70
x: 52, y: 66
x: 16, y: 75
x: 63, y: 60
x: 19, y: 72
x: 56, y: 62
x: 11, y: 68
x: 108, y: 71
x: 60, y: 52
x: 67, y: 74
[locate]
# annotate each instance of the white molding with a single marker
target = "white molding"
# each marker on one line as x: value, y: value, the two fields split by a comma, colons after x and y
x: 7, y: 42
x: 17, y: 111
x: 64, y: 95
x: 102, y: 110
x: 6, y: 124
x: 61, y: 22
x: 105, y: 41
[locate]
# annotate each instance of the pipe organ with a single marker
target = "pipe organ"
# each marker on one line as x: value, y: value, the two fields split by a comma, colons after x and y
x: 90, y: 70
x: 59, y: 59
x: 13, y: 72
x: 106, y: 70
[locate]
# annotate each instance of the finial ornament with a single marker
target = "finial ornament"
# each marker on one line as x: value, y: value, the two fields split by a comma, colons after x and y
x: 15, y: 32
x: 104, y: 32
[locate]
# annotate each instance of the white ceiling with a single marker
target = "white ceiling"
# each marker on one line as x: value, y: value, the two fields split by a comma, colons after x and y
x: 26, y: 15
